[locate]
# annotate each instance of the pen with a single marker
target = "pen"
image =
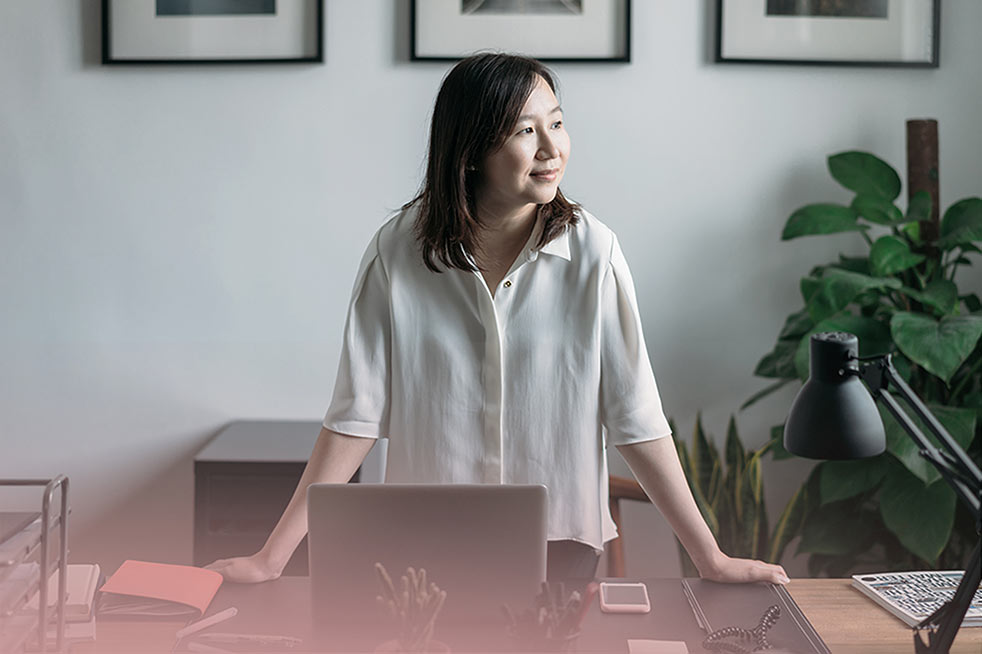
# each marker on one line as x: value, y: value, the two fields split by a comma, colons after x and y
x: 204, y: 623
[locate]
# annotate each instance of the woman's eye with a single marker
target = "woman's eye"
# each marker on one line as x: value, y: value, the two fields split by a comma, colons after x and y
x: 527, y: 130
x: 557, y: 124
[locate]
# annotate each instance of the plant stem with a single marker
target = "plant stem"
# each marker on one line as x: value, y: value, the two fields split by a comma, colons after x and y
x: 866, y: 237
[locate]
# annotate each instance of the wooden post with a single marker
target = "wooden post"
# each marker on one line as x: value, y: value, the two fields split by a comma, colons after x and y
x: 922, y: 170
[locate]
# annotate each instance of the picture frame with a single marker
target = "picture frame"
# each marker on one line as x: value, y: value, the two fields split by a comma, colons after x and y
x: 549, y: 30
x: 212, y: 31
x: 885, y: 33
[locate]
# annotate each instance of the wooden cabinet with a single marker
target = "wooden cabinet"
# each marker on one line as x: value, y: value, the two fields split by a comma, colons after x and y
x: 244, y: 478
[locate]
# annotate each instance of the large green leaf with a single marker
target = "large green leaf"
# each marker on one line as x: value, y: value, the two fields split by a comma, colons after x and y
x: 958, y: 422
x: 865, y: 173
x: 796, y: 324
x: 941, y: 294
x: 920, y: 206
x: 890, y: 255
x: 920, y: 516
x: 779, y: 363
x: 821, y: 219
x: 853, y: 264
x: 839, y: 528
x: 833, y: 292
x: 873, y: 335
x: 877, y: 210
x: 939, y: 347
x: 841, y: 480
x: 962, y: 223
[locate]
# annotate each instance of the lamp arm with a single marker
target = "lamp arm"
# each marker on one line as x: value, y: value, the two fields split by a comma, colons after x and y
x: 955, y: 465
x: 961, y: 474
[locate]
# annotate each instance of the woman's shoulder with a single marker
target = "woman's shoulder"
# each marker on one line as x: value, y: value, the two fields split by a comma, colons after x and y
x: 591, y: 237
x: 395, y: 233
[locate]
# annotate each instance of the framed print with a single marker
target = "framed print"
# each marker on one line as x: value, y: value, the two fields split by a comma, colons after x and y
x: 829, y: 32
x: 551, y: 30
x: 212, y: 31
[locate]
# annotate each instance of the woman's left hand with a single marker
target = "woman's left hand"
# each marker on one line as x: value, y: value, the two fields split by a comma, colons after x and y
x: 740, y: 571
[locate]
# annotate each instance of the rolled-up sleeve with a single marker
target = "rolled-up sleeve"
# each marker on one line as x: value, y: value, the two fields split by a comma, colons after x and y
x: 360, y: 405
x: 630, y: 405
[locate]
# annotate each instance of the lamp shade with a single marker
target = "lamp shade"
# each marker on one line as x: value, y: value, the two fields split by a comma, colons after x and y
x: 834, y: 416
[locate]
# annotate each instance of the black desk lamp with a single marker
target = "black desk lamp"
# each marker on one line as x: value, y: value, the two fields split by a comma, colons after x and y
x: 835, y: 417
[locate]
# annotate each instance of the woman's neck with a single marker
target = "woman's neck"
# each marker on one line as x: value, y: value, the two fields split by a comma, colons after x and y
x: 505, y: 230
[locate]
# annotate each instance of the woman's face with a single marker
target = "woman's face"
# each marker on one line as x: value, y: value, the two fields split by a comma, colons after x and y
x: 528, y: 167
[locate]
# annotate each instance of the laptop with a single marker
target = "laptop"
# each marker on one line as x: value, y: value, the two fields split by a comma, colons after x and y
x: 484, y: 544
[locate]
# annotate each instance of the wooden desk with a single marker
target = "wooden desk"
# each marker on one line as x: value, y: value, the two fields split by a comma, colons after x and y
x: 847, y: 621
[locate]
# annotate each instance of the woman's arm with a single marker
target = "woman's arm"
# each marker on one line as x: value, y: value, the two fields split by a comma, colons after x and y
x: 656, y: 466
x: 335, y: 459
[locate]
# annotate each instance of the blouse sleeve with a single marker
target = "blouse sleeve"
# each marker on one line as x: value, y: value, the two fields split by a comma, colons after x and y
x: 361, y: 393
x: 630, y: 405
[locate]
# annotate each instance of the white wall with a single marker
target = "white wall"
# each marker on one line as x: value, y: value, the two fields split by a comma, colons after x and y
x: 178, y: 243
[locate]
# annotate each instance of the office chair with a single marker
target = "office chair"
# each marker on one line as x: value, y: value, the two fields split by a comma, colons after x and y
x: 621, y: 488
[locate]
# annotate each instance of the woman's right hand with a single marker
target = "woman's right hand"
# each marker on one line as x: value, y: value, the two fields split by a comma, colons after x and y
x: 245, y: 569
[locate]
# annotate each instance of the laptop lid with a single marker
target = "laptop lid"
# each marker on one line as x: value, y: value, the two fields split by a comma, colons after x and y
x: 484, y: 544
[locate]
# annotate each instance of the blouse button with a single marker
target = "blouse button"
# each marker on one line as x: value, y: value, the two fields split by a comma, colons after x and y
x: 508, y: 284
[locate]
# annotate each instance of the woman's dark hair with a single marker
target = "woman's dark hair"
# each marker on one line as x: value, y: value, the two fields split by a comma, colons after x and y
x: 478, y: 104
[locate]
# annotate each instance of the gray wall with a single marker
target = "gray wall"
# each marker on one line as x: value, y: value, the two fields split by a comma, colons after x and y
x: 179, y: 243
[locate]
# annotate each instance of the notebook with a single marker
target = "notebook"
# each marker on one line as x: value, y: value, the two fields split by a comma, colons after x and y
x: 145, y: 589
x: 717, y: 605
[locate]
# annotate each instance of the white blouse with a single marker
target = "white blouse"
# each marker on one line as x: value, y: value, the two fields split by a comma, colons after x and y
x: 525, y: 387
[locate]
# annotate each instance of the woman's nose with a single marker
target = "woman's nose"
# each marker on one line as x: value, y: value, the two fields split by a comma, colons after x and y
x: 547, y: 147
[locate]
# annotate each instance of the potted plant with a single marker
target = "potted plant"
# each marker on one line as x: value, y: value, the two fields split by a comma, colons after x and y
x: 415, y: 608
x: 729, y: 491
x: 892, y: 511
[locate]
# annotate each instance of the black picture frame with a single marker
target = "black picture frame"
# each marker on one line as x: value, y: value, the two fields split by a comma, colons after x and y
x: 418, y: 51
x: 109, y: 57
x: 930, y: 47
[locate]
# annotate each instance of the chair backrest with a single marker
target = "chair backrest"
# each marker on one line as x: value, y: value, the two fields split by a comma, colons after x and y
x: 621, y: 488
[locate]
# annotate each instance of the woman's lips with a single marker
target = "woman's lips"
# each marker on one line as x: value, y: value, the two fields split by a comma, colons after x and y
x: 546, y: 175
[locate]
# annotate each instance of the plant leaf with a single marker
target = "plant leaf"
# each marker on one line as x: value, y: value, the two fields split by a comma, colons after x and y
x: 836, y: 288
x: 972, y: 302
x: 938, y: 347
x: 778, y: 363
x: 841, y: 480
x: 941, y: 294
x: 796, y: 324
x: 839, y: 528
x: 788, y: 524
x: 877, y: 210
x: 962, y: 223
x: 853, y: 264
x: 920, y: 207
x: 920, y: 516
x: 816, y: 219
x: 889, y: 255
x: 777, y: 449
x: 735, y: 455
x: 865, y: 173
x: 958, y: 422
x: 764, y: 392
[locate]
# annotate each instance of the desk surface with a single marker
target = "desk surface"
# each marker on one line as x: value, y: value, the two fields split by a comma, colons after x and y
x: 847, y: 620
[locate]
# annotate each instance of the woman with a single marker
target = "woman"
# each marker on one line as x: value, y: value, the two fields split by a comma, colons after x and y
x: 493, y: 335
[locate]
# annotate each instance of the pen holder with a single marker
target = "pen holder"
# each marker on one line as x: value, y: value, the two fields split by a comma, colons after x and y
x: 415, y: 607
x: 551, y: 625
